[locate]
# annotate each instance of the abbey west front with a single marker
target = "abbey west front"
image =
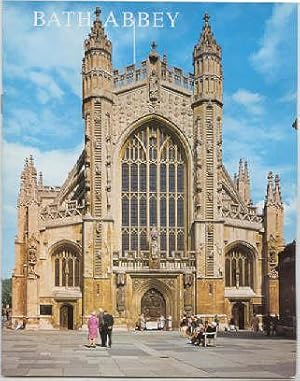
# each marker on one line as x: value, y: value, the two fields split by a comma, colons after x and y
x: 148, y: 219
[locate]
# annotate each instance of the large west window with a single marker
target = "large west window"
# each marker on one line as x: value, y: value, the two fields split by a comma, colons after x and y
x: 153, y: 188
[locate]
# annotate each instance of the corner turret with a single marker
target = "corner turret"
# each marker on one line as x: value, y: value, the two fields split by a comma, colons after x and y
x: 207, y: 60
x: 97, y: 79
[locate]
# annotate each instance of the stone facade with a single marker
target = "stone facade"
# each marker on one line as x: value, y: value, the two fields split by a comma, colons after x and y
x: 148, y: 220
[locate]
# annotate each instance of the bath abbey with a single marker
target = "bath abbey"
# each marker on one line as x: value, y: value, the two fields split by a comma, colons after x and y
x: 148, y: 220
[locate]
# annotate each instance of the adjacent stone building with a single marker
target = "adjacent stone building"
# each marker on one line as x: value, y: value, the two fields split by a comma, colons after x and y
x: 148, y: 219
x: 287, y: 289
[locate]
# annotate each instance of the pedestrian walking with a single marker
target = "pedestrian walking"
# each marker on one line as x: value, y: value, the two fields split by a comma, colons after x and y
x: 93, y: 326
x: 108, y: 322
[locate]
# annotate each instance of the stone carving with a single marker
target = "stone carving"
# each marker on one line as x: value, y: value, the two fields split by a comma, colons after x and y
x: 153, y: 86
x: 120, y: 279
x: 180, y: 114
x: 120, y: 294
x: 210, y: 228
x: 32, y: 255
x: 87, y: 175
x: 188, y: 280
x: 273, y: 274
x: 187, y: 296
x: 154, y: 244
x: 219, y: 249
x: 209, y: 196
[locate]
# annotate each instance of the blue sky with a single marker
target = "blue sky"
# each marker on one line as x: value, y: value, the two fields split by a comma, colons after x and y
x: 42, y: 89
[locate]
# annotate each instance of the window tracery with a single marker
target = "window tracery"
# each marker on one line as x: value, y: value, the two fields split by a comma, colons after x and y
x: 239, y: 268
x: 66, y: 267
x: 153, y: 187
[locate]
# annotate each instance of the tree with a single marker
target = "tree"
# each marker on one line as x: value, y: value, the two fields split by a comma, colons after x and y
x: 6, y: 291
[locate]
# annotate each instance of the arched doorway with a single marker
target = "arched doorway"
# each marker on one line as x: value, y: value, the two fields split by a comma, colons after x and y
x: 153, y: 304
x: 238, y: 313
x: 66, y: 316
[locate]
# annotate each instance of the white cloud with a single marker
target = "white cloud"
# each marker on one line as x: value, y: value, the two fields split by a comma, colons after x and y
x: 46, y: 84
x: 251, y: 101
x: 28, y: 124
x: 288, y: 97
x: 33, y: 48
x: 272, y: 54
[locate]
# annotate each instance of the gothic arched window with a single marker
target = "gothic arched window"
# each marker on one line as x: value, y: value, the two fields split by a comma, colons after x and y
x: 239, y: 267
x: 66, y: 267
x: 153, y: 187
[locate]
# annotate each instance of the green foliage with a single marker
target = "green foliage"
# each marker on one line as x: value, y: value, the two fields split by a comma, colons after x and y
x: 6, y: 291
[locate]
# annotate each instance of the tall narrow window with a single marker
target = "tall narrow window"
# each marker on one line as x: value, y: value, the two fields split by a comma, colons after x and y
x: 57, y: 272
x: 153, y: 186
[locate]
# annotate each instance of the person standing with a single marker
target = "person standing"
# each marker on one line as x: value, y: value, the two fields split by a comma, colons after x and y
x: 161, y: 323
x: 142, y: 322
x: 108, y: 322
x: 101, y: 328
x: 275, y: 321
x: 267, y: 323
x: 255, y: 323
x: 169, y: 323
x: 93, y: 324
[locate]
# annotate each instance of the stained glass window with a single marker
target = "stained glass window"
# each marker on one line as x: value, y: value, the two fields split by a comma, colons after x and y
x: 66, y: 267
x: 239, y: 267
x: 153, y: 186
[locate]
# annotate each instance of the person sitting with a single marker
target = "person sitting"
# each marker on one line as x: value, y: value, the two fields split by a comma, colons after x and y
x: 198, y: 337
x: 232, y: 326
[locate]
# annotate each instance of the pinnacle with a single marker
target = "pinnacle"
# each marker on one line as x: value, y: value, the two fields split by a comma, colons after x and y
x: 206, y: 19
x: 97, y: 13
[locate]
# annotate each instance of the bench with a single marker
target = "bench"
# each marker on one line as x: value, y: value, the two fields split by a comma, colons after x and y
x: 209, y: 337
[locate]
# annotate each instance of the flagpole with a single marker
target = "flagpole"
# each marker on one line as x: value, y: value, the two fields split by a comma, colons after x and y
x: 134, y: 58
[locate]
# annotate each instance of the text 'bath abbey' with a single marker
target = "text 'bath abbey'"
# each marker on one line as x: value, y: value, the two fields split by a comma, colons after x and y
x: 148, y: 219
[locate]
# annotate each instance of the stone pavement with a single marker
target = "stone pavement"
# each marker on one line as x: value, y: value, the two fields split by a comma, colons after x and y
x: 146, y: 354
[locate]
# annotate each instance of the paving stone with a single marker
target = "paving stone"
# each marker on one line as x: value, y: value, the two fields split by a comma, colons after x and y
x: 155, y: 354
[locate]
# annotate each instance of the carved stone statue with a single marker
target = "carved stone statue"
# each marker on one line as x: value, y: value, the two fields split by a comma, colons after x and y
x: 153, y: 86
x: 188, y: 280
x: 32, y: 255
x: 120, y: 299
x: 154, y: 247
x: 120, y: 279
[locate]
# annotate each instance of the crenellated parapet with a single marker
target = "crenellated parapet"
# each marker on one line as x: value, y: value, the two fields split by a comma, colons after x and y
x: 132, y: 76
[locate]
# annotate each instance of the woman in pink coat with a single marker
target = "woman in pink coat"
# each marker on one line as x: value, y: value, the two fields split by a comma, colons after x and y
x: 93, y: 326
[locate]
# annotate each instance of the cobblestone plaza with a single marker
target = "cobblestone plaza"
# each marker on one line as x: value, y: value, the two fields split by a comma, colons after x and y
x: 147, y: 354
